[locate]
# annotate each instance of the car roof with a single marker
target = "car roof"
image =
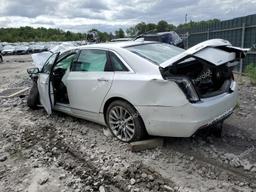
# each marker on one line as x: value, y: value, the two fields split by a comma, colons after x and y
x: 110, y: 45
x: 139, y: 64
x: 157, y: 34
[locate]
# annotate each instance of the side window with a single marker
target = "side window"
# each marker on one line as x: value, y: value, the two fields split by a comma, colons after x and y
x: 48, y: 64
x: 91, y: 60
x: 65, y: 63
x: 117, y: 64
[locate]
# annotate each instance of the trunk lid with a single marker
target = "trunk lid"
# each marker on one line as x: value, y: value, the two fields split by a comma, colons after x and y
x: 204, y: 70
x: 214, y: 51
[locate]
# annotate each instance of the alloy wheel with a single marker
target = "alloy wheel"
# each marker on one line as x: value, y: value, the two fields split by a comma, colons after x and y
x: 121, y: 122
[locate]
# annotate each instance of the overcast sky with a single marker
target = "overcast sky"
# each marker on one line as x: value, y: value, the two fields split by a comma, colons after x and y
x: 108, y: 15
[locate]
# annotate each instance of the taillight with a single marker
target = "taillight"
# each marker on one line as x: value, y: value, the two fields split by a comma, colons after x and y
x: 184, y: 83
x: 187, y: 88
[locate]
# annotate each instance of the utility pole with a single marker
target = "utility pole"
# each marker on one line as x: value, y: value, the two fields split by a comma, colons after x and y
x: 242, y: 45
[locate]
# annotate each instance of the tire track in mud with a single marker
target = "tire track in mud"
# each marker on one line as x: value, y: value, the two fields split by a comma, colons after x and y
x: 79, y: 164
x: 115, y: 182
x: 233, y: 174
x: 71, y: 160
x: 236, y: 174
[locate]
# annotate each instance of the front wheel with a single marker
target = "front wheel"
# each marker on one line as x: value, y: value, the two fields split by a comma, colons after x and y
x: 124, y: 121
x: 33, y: 97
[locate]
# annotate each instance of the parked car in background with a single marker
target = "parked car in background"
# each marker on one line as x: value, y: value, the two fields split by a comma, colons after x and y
x: 170, y: 37
x: 1, y: 48
x: 21, y: 49
x: 36, y: 48
x: 1, y: 58
x: 139, y: 88
x: 8, y: 50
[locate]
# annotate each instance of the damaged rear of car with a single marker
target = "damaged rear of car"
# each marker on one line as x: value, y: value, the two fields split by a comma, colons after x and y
x: 204, y: 75
x: 204, y: 70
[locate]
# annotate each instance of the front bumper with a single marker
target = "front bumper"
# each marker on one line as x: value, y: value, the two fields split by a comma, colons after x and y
x: 185, y: 120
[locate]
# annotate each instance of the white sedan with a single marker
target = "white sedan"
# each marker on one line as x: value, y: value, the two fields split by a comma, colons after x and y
x: 139, y: 88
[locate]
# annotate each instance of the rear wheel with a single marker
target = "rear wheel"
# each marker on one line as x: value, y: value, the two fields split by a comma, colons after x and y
x: 124, y: 121
x: 1, y: 59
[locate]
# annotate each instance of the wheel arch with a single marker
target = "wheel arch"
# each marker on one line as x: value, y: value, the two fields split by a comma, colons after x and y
x: 112, y: 99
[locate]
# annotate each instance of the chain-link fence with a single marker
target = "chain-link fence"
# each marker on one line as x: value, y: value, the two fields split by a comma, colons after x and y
x: 240, y: 32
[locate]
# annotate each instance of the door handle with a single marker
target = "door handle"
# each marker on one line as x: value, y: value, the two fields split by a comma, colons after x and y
x: 103, y: 79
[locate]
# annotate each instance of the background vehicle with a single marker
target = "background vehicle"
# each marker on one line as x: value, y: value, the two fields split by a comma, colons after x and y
x: 8, y: 50
x: 1, y: 58
x: 21, y: 49
x: 170, y: 37
x: 36, y: 48
x: 143, y: 87
x: 1, y: 48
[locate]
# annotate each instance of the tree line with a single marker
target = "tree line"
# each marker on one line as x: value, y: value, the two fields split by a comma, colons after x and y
x: 28, y: 34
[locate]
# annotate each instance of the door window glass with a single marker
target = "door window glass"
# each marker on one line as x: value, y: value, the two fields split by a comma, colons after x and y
x: 117, y: 64
x: 65, y: 63
x: 90, y: 60
x: 48, y: 64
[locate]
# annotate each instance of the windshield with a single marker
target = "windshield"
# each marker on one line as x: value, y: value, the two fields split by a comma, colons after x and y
x: 156, y: 52
x: 48, y: 64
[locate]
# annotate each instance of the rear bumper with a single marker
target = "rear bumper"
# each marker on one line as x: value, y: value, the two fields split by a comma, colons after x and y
x: 185, y: 120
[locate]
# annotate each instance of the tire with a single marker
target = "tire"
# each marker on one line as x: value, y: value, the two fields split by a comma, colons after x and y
x: 124, y: 124
x: 1, y: 59
x: 217, y: 130
x: 33, y: 97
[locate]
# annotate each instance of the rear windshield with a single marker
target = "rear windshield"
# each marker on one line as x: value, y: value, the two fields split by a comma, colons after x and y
x: 155, y: 52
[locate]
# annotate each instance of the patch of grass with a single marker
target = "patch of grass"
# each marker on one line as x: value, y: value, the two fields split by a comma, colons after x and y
x: 251, y: 72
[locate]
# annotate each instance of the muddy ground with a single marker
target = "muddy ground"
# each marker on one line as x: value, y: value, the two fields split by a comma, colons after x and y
x: 61, y: 153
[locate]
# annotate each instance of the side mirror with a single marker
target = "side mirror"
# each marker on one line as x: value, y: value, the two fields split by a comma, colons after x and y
x: 33, y: 71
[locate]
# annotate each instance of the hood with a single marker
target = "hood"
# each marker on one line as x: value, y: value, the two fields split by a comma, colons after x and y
x: 215, y: 51
x: 39, y: 59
